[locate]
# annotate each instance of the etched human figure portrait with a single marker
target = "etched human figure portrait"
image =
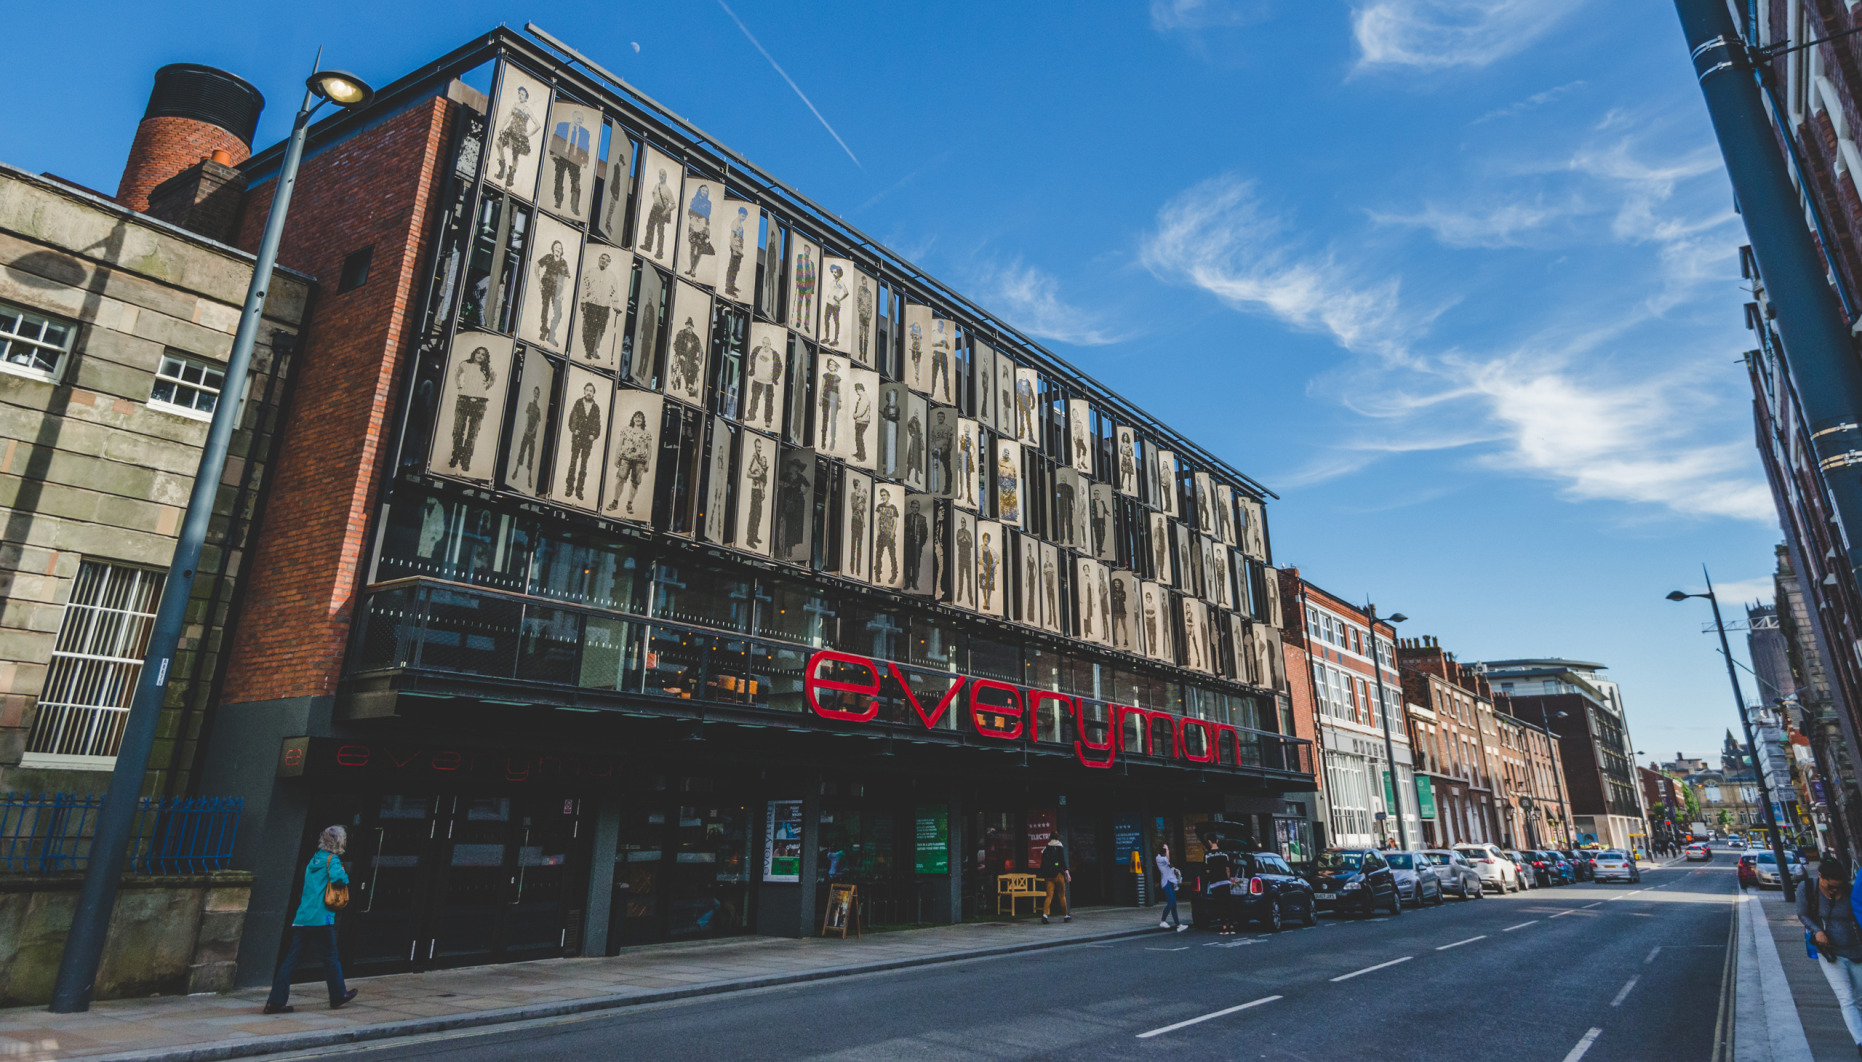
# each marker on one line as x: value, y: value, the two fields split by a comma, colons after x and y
x: 1080, y: 435
x: 1100, y: 520
x: 1166, y: 487
x: 536, y: 387
x: 1028, y: 413
x: 943, y: 451
x: 887, y: 568
x: 517, y: 131
x: 656, y: 229
x: 1126, y: 461
x: 580, y: 439
x: 966, y: 463
x: 549, y: 284
x: 963, y: 565
x: 983, y: 377
x: 919, y: 521
x: 1127, y: 612
x: 754, y: 527
x: 943, y: 356
x: 643, y: 347
x: 1159, y: 539
x: 1008, y: 482
x: 601, y: 308
x: 1028, y: 551
x: 1225, y: 514
x: 697, y: 253
x: 840, y: 286
x: 742, y: 225
x: 471, y: 407
x: 991, y: 577
x: 766, y: 372
x: 804, y: 284
x: 856, y: 525
x: 1053, y: 599
x: 833, y: 410
x: 633, y: 454
x: 688, y: 350
x: 863, y: 413
x: 569, y: 181
x: 915, y: 462
x: 915, y: 348
x: 617, y: 179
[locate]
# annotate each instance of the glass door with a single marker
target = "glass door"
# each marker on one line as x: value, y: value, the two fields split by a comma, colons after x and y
x: 392, y: 873
x: 472, y: 880
x: 638, y: 915
x: 710, y: 879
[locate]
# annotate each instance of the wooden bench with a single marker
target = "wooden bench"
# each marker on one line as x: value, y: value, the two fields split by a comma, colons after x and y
x: 1013, y: 887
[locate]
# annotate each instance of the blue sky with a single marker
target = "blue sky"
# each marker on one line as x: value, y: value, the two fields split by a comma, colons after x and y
x: 1456, y: 278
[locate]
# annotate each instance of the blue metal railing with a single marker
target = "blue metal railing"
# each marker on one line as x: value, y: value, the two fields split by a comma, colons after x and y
x: 50, y: 833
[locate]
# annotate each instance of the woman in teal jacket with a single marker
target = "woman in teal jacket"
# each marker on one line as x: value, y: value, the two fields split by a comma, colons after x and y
x: 315, y: 924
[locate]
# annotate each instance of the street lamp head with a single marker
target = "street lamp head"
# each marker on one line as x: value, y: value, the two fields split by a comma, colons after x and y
x: 1396, y: 617
x: 340, y: 87
x: 1679, y: 596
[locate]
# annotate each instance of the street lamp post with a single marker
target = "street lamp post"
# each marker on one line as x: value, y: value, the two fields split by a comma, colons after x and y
x: 1558, y: 775
x: 1383, y: 710
x: 90, y: 922
x: 1745, y: 723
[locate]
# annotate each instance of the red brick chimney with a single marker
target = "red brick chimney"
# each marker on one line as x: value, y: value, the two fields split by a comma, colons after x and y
x: 195, y: 113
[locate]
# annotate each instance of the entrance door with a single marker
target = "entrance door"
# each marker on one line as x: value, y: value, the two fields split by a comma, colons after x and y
x: 681, y: 868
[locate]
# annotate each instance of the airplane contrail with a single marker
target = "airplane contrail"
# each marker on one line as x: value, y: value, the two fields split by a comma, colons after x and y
x: 785, y: 76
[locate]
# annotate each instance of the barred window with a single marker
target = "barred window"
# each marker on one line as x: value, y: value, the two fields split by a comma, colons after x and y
x: 32, y: 344
x: 95, y: 664
x: 187, y: 386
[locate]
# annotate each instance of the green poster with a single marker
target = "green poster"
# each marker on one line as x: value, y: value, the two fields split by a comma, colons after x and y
x: 931, y: 840
x: 1390, y: 803
x: 1425, y: 796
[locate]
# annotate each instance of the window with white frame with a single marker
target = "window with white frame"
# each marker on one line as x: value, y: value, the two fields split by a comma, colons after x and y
x: 33, y: 344
x: 91, y: 677
x: 188, y: 386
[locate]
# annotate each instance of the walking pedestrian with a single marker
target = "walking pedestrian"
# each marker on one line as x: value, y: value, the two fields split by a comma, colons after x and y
x: 1217, y: 868
x: 1054, y: 871
x: 315, y: 924
x: 1168, y: 878
x: 1829, y: 919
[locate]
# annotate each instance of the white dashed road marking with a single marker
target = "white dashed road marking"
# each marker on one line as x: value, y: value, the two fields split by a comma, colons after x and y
x: 1624, y: 994
x: 1458, y: 943
x: 1583, y: 1045
x: 1369, y: 969
x: 1522, y: 925
x: 1205, y: 1017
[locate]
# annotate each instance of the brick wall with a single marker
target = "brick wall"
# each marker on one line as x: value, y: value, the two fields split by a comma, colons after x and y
x: 165, y: 146
x: 377, y: 187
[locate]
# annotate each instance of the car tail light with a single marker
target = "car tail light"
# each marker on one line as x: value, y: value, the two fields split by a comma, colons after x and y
x: 1255, y: 888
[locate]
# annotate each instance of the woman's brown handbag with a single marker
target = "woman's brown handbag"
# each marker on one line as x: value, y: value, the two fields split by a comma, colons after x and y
x: 335, y: 893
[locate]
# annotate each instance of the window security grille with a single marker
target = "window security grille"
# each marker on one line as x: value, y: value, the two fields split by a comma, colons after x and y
x: 95, y: 662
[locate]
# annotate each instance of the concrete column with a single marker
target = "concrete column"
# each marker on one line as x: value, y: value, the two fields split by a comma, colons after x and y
x: 599, y: 909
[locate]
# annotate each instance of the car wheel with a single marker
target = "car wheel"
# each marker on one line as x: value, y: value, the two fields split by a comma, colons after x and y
x: 1396, y: 903
x: 1274, y: 920
x: 1481, y: 892
x: 1312, y: 912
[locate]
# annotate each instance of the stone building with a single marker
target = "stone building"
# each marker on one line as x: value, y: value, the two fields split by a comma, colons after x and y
x: 115, y: 326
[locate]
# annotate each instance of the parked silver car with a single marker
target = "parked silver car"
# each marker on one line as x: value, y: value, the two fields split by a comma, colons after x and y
x: 1458, y: 875
x: 1417, y: 881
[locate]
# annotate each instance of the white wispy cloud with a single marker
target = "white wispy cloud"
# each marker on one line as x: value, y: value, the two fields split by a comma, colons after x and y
x: 1167, y: 15
x: 1440, y: 34
x: 1030, y: 300
x: 1216, y: 236
x: 1599, y: 394
x: 1536, y: 100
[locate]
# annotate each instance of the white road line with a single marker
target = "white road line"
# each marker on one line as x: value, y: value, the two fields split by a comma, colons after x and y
x: 1657, y: 950
x: 1185, y: 947
x: 1624, y: 994
x: 1458, y: 943
x: 1583, y: 1045
x: 1588, y: 906
x: 1522, y: 925
x: 1206, y: 1017
x: 1369, y: 969
x: 1561, y: 914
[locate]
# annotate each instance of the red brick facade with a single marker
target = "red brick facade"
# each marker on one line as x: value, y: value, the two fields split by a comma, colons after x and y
x: 379, y: 187
x: 164, y: 147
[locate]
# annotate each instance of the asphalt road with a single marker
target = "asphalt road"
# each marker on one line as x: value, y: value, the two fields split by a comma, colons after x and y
x: 1595, y: 972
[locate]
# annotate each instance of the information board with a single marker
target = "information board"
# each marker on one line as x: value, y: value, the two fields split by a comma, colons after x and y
x: 782, y: 842
x: 931, y: 839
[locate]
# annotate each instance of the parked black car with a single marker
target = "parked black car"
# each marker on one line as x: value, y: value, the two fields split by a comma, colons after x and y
x: 1583, y: 863
x: 1551, y: 868
x: 1265, y: 890
x: 1356, y: 880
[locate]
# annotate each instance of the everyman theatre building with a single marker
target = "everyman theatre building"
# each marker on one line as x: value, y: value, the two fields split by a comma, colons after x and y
x: 649, y: 550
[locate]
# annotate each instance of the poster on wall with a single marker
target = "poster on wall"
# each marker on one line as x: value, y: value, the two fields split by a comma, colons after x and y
x: 649, y: 326
x: 965, y: 464
x: 549, y: 284
x: 804, y: 284
x: 1204, y: 489
x: 839, y: 286
x: 1027, y: 412
x: 888, y: 535
x: 580, y: 439
x: 1008, y: 482
x: 963, y: 565
x: 688, y: 351
x: 1086, y: 592
x: 943, y: 388
x: 1187, y: 558
x: 569, y: 152
x: 1042, y: 822
x: 915, y: 360
x: 991, y: 576
x: 634, y: 453
x: 1253, y: 537
x: 478, y: 375
x: 914, y: 466
x: 833, y: 413
x: 983, y: 373
x: 765, y: 370
x: 1225, y: 513
x: 1028, y: 566
x: 931, y: 839
x: 865, y: 404
x: 1105, y: 538
x: 1127, y: 612
x: 536, y: 386
x: 920, y: 573
x: 1195, y: 634
x: 1221, y: 586
x: 1080, y: 435
x: 517, y: 131
x: 617, y: 178
x: 1156, y: 606
x: 696, y: 258
x: 717, y: 479
x: 736, y: 260
x: 1067, y: 500
x: 1127, y: 471
x: 782, y: 842
x: 754, y: 526
x: 1241, y: 643
x: 795, y: 509
x: 1053, y: 602
x: 656, y: 227
x: 865, y: 318
x: 856, y: 514
x: 1005, y: 395
x: 607, y: 273
x: 889, y: 441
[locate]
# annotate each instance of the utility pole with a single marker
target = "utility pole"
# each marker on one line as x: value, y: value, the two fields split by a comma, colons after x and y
x: 1383, y: 712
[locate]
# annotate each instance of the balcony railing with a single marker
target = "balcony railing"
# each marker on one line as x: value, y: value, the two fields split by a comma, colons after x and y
x: 585, y: 655
x: 48, y: 833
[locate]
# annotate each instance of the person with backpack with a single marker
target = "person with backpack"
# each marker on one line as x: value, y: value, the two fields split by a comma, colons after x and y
x: 1833, y: 935
x: 1218, y: 869
x: 326, y: 890
x: 1168, y: 878
x: 1054, y: 871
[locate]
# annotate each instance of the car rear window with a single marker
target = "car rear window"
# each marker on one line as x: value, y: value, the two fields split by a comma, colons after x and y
x: 1612, y: 855
x: 1400, y: 861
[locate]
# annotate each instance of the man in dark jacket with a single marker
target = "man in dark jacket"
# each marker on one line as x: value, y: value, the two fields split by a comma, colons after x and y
x: 1054, y: 871
x: 1218, y: 868
x: 1826, y: 911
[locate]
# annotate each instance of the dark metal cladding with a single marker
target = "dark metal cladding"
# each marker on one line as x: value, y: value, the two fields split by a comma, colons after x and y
x: 206, y: 94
